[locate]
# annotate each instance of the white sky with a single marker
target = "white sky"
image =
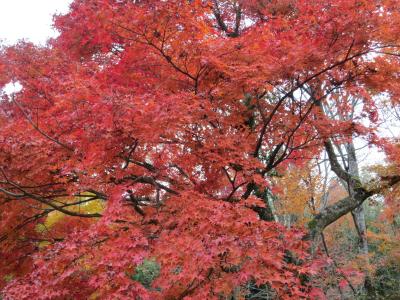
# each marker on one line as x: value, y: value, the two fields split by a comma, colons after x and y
x: 29, y: 19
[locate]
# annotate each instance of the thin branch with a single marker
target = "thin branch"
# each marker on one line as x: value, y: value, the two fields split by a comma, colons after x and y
x: 28, y: 118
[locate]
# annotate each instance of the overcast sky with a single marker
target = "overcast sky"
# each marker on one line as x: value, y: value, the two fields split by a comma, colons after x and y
x: 29, y: 19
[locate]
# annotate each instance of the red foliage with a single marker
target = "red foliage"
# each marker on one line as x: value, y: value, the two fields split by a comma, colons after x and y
x: 169, y: 112
x: 211, y: 257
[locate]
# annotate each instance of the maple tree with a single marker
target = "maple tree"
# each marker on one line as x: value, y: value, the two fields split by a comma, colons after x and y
x: 137, y: 159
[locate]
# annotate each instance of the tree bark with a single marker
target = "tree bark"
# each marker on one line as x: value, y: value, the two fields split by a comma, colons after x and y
x: 333, y: 212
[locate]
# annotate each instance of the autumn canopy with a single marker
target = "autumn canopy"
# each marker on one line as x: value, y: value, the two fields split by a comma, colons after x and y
x: 156, y: 148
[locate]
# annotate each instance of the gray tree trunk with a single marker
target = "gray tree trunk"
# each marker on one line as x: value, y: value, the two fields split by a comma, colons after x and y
x: 358, y: 213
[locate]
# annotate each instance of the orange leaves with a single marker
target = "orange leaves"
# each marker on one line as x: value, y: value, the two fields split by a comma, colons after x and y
x: 299, y: 193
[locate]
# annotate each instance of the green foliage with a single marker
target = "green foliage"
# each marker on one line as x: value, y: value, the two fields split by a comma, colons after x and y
x: 8, y: 277
x: 385, y: 285
x: 262, y: 292
x: 373, y: 209
x: 146, y: 272
x: 312, y: 224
